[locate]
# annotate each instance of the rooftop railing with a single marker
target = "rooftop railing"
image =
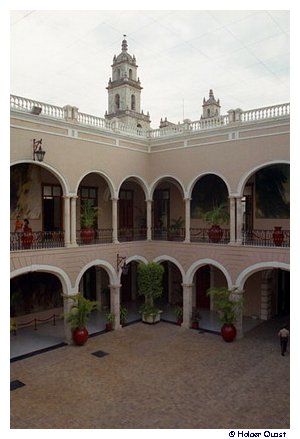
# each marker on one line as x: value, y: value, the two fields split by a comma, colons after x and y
x: 71, y: 114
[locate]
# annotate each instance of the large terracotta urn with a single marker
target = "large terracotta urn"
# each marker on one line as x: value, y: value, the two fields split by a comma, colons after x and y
x: 215, y: 233
x: 228, y: 332
x: 278, y: 236
x: 80, y: 336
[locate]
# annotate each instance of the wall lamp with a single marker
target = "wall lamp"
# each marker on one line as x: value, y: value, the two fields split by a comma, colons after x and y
x: 38, y: 153
x: 121, y: 263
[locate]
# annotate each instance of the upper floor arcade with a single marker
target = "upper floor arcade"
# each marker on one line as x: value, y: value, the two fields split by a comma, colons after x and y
x: 164, y: 210
x: 142, y: 186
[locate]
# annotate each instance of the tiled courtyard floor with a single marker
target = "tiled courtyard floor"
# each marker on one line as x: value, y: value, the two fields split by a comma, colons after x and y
x: 160, y: 376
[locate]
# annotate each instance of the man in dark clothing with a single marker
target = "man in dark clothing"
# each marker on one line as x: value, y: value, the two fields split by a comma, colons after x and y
x: 284, y: 337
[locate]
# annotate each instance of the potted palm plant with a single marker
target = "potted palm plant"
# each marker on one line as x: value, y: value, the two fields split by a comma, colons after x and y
x: 179, y: 314
x: 123, y: 315
x: 228, y: 304
x: 88, y: 218
x: 78, y: 317
x: 150, y: 286
x: 110, y: 317
x: 217, y: 216
x: 176, y: 228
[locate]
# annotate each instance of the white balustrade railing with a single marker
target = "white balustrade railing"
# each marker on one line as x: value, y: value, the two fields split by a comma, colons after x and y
x: 266, y: 113
x: 27, y: 105
x: 88, y: 119
x: 23, y: 104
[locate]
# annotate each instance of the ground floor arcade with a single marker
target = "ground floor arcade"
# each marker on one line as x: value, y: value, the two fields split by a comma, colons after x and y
x: 38, y: 306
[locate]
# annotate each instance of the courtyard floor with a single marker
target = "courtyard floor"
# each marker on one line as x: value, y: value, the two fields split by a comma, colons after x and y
x: 156, y: 376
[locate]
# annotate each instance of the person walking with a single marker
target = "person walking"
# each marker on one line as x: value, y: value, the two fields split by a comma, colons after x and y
x: 284, y: 337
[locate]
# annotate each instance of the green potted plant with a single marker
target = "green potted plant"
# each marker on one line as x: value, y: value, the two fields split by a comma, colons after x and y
x: 179, y: 314
x: 217, y: 216
x: 228, y: 304
x: 110, y: 317
x: 176, y: 227
x: 78, y: 317
x: 123, y: 315
x: 88, y: 219
x: 195, y: 319
x: 150, y: 286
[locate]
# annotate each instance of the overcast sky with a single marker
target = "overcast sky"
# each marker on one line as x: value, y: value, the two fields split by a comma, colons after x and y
x: 65, y: 57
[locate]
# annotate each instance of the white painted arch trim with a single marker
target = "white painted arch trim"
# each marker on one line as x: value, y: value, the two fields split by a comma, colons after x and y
x: 101, y: 174
x: 196, y: 179
x: 245, y: 274
x: 245, y: 177
x: 63, y: 277
x: 139, y: 180
x: 113, y: 278
x: 197, y: 264
x: 62, y: 180
x: 161, y: 178
x: 167, y: 258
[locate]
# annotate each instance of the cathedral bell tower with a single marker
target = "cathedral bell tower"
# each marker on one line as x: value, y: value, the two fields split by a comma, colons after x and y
x: 124, y: 91
x: 211, y: 107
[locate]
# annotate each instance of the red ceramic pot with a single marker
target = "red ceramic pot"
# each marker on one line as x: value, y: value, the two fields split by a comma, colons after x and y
x: 87, y: 235
x: 26, y: 239
x: 228, y: 332
x: 278, y: 236
x: 179, y: 322
x: 215, y: 233
x: 195, y: 324
x: 108, y: 327
x: 80, y: 336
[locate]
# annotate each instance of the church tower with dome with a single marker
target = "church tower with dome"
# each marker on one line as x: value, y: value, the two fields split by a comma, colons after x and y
x: 124, y: 91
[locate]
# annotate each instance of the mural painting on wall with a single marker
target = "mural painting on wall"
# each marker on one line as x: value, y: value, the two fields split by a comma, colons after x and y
x: 272, y: 192
x: 209, y: 192
x: 25, y: 191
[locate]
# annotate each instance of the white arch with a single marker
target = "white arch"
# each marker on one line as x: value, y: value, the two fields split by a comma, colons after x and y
x: 103, y: 175
x: 62, y: 180
x: 207, y: 261
x: 196, y: 179
x: 163, y: 258
x: 175, y: 181
x: 137, y: 258
x: 245, y: 274
x: 63, y: 277
x: 139, y: 180
x: 113, y: 278
x: 250, y: 172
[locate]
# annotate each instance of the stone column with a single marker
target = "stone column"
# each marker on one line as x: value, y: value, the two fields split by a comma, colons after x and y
x: 239, y: 220
x: 187, y: 305
x: 115, y: 220
x: 238, y: 294
x: 187, y: 220
x: 73, y: 221
x: 149, y: 220
x: 232, y: 220
x: 98, y: 285
x: 115, y: 304
x: 68, y: 303
x: 169, y: 282
x: 67, y: 220
x: 266, y: 295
